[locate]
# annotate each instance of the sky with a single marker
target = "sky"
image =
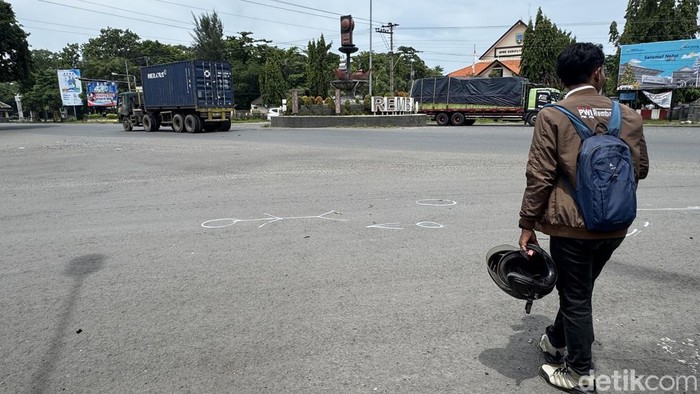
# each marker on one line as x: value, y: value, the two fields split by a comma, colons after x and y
x: 446, y: 33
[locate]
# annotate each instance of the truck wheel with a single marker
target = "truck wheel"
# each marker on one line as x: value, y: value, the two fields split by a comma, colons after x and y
x: 178, y: 123
x: 192, y: 124
x: 442, y: 119
x: 148, y: 122
x: 457, y: 119
x: 469, y: 122
x: 127, y: 124
x: 225, y: 125
x: 531, y: 119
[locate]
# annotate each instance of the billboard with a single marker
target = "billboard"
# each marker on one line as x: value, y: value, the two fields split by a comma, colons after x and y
x: 659, y: 65
x: 101, y: 94
x: 70, y: 86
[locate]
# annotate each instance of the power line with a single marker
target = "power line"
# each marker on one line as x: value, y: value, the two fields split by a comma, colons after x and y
x: 236, y: 15
x: 114, y: 15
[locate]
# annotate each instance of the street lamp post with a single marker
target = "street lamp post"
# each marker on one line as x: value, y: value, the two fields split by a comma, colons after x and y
x: 128, y: 81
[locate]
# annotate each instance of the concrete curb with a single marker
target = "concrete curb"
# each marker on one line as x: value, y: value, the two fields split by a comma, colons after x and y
x: 412, y: 120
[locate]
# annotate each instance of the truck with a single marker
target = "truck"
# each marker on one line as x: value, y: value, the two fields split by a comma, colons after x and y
x: 461, y: 101
x: 190, y: 95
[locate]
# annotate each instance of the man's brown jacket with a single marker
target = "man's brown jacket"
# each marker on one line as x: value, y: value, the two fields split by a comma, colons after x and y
x: 548, y: 205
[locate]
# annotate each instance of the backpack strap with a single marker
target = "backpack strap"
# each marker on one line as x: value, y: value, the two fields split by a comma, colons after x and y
x: 581, y: 128
x: 615, y: 121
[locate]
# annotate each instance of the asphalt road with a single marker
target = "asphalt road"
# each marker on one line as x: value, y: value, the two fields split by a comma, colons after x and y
x: 307, y: 261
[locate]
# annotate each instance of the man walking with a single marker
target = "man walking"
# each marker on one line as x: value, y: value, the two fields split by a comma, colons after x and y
x: 549, y: 206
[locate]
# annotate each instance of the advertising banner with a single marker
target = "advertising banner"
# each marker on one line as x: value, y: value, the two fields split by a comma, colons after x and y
x: 101, y: 94
x: 663, y: 100
x: 70, y: 86
x: 659, y: 65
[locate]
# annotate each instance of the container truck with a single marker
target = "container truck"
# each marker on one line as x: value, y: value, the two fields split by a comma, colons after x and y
x: 192, y: 96
x: 461, y: 101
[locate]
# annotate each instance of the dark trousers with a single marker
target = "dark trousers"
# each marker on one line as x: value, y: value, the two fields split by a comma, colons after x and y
x: 579, y: 262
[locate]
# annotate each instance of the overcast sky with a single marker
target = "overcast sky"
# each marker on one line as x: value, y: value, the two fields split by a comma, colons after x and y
x: 445, y: 32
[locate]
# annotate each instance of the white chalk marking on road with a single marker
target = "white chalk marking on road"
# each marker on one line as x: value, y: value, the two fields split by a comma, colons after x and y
x: 670, y: 209
x: 436, y: 202
x: 268, y: 220
x: 386, y: 226
x: 429, y: 225
x: 636, y: 232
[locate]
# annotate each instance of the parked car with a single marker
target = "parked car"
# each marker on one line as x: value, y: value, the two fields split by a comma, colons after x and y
x: 273, y: 112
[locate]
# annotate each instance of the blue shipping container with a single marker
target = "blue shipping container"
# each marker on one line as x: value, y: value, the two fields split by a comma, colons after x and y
x: 197, y: 84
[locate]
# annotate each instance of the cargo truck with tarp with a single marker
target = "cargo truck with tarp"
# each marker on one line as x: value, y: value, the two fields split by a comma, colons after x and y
x: 461, y: 101
x: 192, y: 96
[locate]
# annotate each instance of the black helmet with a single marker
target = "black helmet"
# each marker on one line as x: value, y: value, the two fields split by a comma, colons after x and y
x: 526, y: 278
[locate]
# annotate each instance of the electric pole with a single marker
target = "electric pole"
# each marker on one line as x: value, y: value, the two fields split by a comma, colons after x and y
x: 389, y: 29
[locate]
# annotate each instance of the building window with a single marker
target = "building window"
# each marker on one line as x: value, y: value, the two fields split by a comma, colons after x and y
x: 496, y: 72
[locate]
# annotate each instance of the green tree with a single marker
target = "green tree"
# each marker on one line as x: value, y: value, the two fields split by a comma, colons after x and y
x: 69, y: 57
x: 111, y: 43
x: 208, y: 37
x: 15, y: 57
x: 7, y: 93
x: 319, y: 67
x: 543, y: 42
x: 154, y: 52
x: 246, y: 55
x: 44, y: 94
x: 294, y: 68
x: 659, y: 20
x: 273, y: 86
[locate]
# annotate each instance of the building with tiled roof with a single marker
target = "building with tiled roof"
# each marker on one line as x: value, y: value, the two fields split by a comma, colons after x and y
x: 4, y: 111
x: 502, y: 59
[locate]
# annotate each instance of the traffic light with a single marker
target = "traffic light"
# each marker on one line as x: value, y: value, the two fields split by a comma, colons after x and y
x: 347, y: 25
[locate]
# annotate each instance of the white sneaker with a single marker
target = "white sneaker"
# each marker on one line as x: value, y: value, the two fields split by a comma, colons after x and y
x: 553, y: 355
x: 567, y: 380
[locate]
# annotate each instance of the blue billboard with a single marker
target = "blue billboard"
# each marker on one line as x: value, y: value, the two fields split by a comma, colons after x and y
x: 659, y: 65
x: 101, y: 94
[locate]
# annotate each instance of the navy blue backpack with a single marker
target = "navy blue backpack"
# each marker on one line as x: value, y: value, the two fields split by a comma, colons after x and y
x: 606, y: 188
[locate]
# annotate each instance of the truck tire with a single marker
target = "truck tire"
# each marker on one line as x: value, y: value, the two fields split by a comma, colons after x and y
x: 225, y: 125
x: 531, y: 118
x: 457, y: 119
x: 469, y: 122
x: 442, y: 119
x: 193, y: 124
x: 178, y: 123
x: 149, y: 122
x: 126, y: 123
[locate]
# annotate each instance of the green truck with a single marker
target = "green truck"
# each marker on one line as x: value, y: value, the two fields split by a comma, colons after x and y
x: 461, y: 101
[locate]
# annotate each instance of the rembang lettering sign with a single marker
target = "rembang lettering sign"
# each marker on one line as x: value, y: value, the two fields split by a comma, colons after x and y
x: 660, y: 65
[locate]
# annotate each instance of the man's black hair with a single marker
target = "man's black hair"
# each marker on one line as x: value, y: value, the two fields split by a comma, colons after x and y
x: 578, y: 61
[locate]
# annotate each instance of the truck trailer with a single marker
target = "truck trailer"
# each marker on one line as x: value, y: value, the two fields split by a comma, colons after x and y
x: 192, y: 96
x: 461, y: 101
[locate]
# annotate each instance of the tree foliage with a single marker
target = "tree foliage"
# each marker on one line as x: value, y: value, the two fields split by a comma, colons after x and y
x: 650, y: 21
x: 319, y: 67
x: 273, y: 86
x: 15, y: 57
x: 543, y: 41
x: 208, y: 36
x: 659, y: 20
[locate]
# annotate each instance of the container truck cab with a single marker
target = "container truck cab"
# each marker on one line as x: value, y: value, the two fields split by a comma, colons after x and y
x: 130, y: 109
x: 538, y: 97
